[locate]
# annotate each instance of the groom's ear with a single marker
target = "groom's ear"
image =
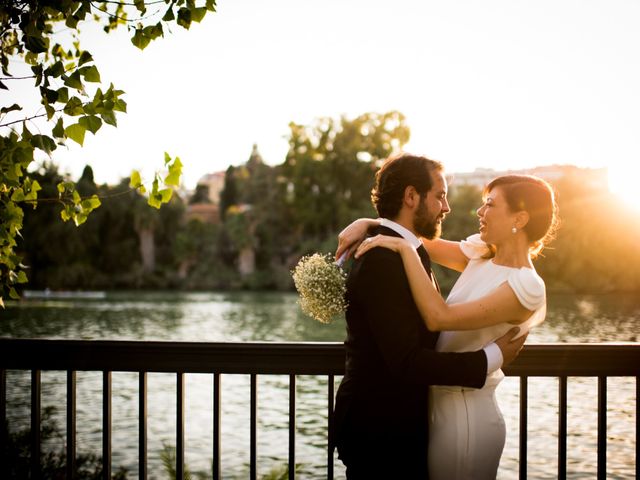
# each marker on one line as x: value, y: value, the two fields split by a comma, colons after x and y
x: 411, y: 197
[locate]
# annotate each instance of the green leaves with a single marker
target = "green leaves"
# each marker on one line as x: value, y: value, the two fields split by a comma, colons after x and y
x: 144, y: 35
x: 76, y: 133
x: 55, y: 70
x: 197, y: 14
x: 136, y: 182
x: 58, y: 130
x: 140, y: 40
x: 64, y: 78
x: 184, y: 17
x: 75, y: 207
x: 74, y: 80
x: 157, y: 194
x: 140, y: 5
x: 44, y: 143
x: 12, y: 108
x: 28, y: 193
x: 36, y: 44
x: 91, y: 123
x: 175, y: 171
x: 85, y: 57
x: 191, y: 13
x: 74, y: 107
x: 90, y: 74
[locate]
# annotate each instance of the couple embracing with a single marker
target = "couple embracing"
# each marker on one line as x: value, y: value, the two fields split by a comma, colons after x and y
x: 417, y: 398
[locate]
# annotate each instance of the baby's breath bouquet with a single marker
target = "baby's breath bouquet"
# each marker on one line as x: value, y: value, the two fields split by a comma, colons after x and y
x: 321, y: 284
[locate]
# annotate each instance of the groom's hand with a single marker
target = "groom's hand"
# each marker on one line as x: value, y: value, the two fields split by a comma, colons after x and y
x: 510, y: 348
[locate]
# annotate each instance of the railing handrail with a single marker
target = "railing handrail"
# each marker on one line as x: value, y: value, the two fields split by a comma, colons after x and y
x: 561, y: 360
x: 288, y: 358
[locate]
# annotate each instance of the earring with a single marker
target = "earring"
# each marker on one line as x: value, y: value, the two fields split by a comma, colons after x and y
x: 514, y: 230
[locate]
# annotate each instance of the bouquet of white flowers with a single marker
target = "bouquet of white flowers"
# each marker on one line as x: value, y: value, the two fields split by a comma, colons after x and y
x: 321, y: 284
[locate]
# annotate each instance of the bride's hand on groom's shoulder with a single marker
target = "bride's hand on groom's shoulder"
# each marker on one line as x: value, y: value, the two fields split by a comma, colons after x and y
x: 395, y: 244
x: 352, y: 236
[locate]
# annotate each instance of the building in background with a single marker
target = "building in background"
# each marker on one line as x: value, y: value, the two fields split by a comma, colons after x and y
x: 205, y: 201
x: 215, y: 184
x: 594, y: 178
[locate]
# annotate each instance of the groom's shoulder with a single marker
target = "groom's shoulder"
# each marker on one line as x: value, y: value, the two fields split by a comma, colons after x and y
x: 382, y: 254
x: 382, y: 230
x: 378, y: 261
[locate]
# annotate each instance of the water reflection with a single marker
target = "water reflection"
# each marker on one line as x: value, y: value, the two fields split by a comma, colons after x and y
x: 591, y: 318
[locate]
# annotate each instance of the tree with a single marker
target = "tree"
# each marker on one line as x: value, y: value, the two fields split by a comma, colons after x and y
x: 201, y: 195
x: 229, y: 194
x: 44, y: 35
x: 329, y: 169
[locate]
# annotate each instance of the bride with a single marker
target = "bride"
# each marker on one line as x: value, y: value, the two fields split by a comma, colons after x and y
x: 498, y: 288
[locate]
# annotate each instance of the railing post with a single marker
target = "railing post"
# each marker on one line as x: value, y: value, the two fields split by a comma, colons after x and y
x: 330, y: 395
x: 180, y: 426
x: 4, y: 426
x: 106, y: 425
x: 142, y: 426
x: 292, y: 427
x: 35, y: 424
x: 252, y: 428
x: 602, y: 427
x: 71, y: 424
x: 524, y: 404
x: 216, y: 426
x: 562, y: 428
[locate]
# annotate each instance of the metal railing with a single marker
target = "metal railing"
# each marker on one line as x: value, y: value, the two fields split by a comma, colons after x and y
x: 324, y: 359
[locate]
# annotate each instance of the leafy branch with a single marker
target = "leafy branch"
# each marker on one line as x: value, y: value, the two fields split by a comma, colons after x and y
x: 63, y: 74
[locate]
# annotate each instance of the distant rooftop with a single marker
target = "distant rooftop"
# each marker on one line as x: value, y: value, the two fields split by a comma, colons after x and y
x: 597, y: 177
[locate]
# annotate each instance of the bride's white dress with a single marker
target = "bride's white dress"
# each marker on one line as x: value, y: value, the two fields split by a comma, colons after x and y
x: 466, y: 428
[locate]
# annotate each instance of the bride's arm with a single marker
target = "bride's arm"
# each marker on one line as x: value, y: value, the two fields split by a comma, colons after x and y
x: 501, y: 305
x: 442, y: 252
x: 446, y: 253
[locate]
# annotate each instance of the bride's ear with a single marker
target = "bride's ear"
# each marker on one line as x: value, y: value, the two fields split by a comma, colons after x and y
x: 522, y: 218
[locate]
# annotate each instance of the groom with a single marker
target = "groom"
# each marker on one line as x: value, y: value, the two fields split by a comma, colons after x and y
x: 380, y: 418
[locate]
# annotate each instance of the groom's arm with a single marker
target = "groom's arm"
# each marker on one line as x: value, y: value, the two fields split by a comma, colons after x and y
x: 394, y: 320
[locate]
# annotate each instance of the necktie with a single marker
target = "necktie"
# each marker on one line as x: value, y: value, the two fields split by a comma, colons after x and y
x: 426, y: 262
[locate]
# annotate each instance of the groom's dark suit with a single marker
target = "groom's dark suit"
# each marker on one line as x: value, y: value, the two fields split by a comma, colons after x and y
x: 380, y: 418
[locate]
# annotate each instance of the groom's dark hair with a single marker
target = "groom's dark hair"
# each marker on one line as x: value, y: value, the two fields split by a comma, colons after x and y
x: 396, y: 174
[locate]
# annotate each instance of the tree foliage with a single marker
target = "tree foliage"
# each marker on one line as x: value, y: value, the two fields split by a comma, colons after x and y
x: 45, y: 36
x: 273, y: 215
x: 329, y: 169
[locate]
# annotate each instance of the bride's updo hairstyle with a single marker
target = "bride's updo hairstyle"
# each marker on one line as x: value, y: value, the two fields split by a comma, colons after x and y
x: 534, y: 196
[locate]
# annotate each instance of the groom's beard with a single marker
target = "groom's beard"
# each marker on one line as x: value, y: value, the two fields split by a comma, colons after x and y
x: 426, y: 225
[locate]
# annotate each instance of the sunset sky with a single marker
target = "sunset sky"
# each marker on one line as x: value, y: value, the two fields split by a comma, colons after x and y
x: 494, y: 84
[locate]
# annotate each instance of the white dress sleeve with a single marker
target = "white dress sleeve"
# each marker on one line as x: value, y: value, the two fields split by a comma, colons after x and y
x: 528, y: 287
x: 530, y: 290
x: 473, y: 248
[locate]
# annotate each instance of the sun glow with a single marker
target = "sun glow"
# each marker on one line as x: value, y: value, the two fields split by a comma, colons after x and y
x: 625, y: 184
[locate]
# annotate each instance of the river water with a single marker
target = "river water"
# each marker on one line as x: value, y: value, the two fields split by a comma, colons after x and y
x: 215, y: 317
